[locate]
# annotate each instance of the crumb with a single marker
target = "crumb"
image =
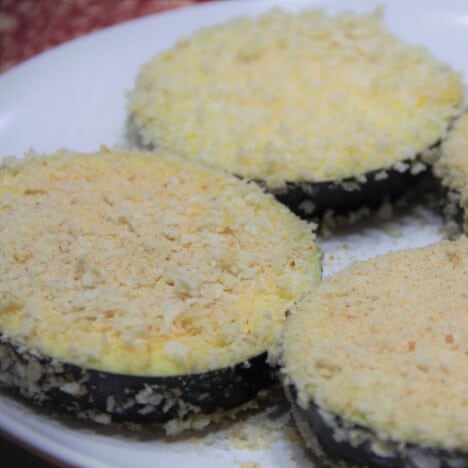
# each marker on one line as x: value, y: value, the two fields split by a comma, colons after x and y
x: 249, y: 464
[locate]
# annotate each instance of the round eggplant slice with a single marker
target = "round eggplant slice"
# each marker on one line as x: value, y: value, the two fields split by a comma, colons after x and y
x: 373, y: 361
x: 452, y: 169
x: 141, y: 286
x: 109, y: 397
x: 330, y: 113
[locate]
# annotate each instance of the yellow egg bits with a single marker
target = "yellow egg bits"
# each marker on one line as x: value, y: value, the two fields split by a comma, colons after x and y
x: 145, y: 264
x: 383, y: 345
x: 303, y: 97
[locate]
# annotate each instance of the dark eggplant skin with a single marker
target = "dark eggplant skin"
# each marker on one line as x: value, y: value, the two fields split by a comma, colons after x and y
x: 311, y: 200
x: 109, y: 397
x: 324, y: 434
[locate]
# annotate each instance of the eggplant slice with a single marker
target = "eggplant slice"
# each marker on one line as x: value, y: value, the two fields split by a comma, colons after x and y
x: 373, y: 361
x: 452, y: 170
x: 332, y: 114
x: 140, y: 287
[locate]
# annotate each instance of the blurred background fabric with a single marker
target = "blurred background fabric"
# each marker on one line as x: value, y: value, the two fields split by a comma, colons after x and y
x: 28, y: 27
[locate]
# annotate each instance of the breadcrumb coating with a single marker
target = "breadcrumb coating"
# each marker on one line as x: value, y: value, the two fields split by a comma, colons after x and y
x: 145, y: 264
x: 384, y: 344
x: 296, y: 97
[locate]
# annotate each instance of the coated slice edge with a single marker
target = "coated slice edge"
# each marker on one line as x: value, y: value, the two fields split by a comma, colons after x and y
x: 106, y: 397
x: 336, y: 442
x: 319, y: 200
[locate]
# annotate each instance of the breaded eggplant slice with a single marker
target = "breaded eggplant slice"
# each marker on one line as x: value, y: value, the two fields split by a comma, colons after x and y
x: 452, y: 169
x: 374, y: 361
x: 329, y: 113
x: 142, y: 287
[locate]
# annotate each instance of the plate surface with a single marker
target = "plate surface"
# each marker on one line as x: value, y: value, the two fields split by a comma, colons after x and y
x: 74, y: 96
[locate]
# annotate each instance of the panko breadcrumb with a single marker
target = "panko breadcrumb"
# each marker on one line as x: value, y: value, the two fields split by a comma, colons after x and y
x: 383, y: 345
x: 145, y: 264
x: 303, y: 97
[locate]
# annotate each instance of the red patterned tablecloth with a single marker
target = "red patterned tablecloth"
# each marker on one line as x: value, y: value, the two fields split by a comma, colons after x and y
x: 28, y: 27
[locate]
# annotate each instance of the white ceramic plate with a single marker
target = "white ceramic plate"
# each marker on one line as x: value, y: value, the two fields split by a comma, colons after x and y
x: 73, y: 96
